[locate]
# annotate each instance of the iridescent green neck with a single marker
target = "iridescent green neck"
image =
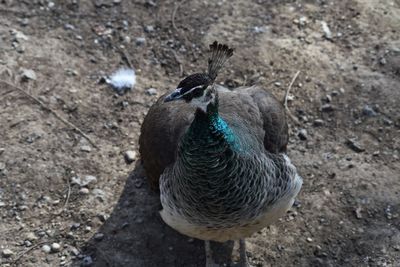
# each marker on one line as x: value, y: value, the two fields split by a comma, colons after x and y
x: 210, y: 126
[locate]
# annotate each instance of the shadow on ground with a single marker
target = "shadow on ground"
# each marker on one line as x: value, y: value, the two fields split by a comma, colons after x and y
x: 136, y: 236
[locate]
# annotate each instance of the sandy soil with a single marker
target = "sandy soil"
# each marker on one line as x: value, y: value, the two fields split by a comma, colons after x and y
x: 345, y: 142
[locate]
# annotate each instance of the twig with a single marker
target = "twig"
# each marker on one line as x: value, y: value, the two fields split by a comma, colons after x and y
x: 177, y: 5
x: 28, y: 250
x: 286, y: 99
x: 51, y: 111
x: 289, y: 88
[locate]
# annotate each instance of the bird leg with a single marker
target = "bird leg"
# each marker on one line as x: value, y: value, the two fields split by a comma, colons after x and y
x: 209, y: 260
x: 243, y: 257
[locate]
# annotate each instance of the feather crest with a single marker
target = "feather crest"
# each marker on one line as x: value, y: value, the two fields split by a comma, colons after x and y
x: 220, y: 53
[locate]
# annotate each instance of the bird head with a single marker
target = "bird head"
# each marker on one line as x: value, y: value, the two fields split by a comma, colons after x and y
x: 198, y: 89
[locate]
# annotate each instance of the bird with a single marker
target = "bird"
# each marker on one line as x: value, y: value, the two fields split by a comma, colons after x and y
x: 218, y: 158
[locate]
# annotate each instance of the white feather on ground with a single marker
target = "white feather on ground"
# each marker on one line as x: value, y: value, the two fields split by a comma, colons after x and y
x: 122, y: 80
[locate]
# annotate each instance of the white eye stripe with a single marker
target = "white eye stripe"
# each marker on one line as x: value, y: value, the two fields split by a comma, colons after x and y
x: 194, y: 88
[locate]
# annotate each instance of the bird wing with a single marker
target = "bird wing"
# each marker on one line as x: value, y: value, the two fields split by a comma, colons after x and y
x: 248, y: 110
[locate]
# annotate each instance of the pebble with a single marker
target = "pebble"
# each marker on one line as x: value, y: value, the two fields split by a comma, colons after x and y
x: 86, y: 148
x: 31, y: 236
x: 149, y: 28
x: 327, y: 108
x: 25, y: 22
x: 28, y: 74
x: 302, y: 134
x: 326, y: 30
x: 328, y: 98
x: 7, y: 253
x: 130, y: 156
x: 368, y: 111
x: 87, y: 261
x: 68, y: 26
x: 2, y: 166
x: 140, y: 41
x: 98, y: 236
x: 84, y: 191
x: 318, y: 122
x: 151, y: 91
x: 55, y: 247
x: 309, y: 239
x: 75, y: 226
x: 357, y: 212
x: 46, y: 248
x: 334, y: 93
x: 382, y: 61
x: 353, y: 145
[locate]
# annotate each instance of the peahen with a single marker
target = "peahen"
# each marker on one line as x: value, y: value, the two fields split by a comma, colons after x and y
x: 218, y: 158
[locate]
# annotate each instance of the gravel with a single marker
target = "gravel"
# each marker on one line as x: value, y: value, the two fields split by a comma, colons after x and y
x: 46, y: 248
x: 55, y: 247
x: 130, y: 156
x: 28, y: 74
x: 7, y: 253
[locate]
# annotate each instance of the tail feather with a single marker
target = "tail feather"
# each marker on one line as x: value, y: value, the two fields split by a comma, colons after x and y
x: 219, y: 55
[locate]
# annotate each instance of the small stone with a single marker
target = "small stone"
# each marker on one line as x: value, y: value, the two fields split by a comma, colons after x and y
x: 368, y: 111
x: 86, y: 148
x: 7, y: 253
x: 2, y: 166
x: 151, y: 91
x: 309, y: 239
x: 334, y: 93
x: 25, y: 22
x: 302, y: 134
x: 68, y: 26
x: 84, y: 191
x: 46, y: 248
x: 277, y: 84
x: 130, y: 156
x: 140, y: 41
x: 98, y: 236
x: 357, y: 212
x: 87, y: 261
x: 382, y: 61
x: 328, y: 98
x: 75, y: 226
x: 327, y: 108
x: 55, y: 247
x: 28, y: 74
x: 341, y: 90
x: 356, y: 147
x: 31, y: 236
x: 387, y: 122
x: 326, y: 30
x: 318, y: 122
x: 149, y: 28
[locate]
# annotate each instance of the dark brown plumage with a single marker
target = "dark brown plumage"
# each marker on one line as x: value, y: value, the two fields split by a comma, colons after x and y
x: 165, y: 123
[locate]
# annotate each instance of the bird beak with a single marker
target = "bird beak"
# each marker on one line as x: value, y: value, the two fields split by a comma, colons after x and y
x: 175, y: 95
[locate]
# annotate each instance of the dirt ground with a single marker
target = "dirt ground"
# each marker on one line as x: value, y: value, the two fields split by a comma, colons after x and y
x: 344, y: 140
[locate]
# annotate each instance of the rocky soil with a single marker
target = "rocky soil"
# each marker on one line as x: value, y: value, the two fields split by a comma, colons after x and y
x: 71, y: 200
